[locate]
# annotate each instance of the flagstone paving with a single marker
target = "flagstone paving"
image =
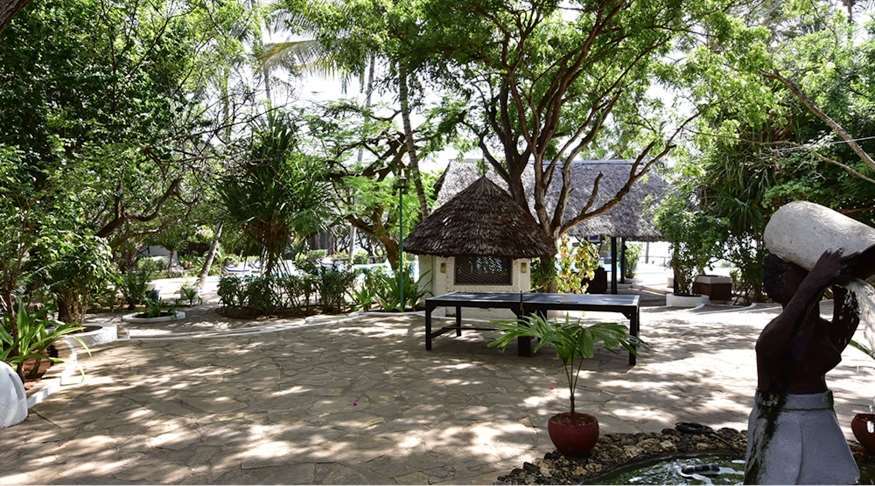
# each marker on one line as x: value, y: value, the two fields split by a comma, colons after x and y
x: 360, y: 401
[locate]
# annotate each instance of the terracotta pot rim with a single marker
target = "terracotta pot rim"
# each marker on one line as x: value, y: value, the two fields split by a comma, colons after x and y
x: 577, y: 417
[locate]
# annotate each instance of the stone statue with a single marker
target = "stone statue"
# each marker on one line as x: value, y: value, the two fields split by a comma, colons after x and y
x: 793, y: 434
x: 13, y: 400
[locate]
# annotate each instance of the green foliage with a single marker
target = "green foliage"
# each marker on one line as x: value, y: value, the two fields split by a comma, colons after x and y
x: 333, y: 285
x: 232, y: 291
x: 387, y: 288
x: 189, y: 293
x: 27, y: 336
x: 154, y: 308
x: 695, y: 238
x: 572, y: 341
x: 543, y: 274
x: 575, y: 264
x: 135, y: 284
x: 261, y: 295
x: 360, y: 257
x: 364, y: 295
x: 279, y: 193
x: 632, y: 254
x: 299, y: 290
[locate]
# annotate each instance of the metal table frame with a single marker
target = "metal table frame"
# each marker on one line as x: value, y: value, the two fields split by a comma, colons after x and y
x: 523, y: 304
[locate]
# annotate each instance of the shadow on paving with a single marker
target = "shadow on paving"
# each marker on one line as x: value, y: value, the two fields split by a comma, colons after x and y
x: 361, y: 402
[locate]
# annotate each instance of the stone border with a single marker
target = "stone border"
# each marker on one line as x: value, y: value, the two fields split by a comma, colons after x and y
x: 317, y: 320
x: 133, y: 319
x: 64, y: 373
x: 616, y: 453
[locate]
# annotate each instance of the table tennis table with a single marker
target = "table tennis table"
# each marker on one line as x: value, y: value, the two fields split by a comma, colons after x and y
x: 526, y: 303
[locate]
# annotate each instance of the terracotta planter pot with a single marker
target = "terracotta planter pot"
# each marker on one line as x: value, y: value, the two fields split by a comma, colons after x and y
x: 573, y: 434
x: 863, y: 426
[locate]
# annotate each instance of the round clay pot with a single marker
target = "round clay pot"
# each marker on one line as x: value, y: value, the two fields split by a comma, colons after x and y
x: 863, y: 426
x: 573, y: 434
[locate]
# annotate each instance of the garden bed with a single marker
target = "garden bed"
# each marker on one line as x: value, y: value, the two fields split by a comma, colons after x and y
x: 166, y: 316
x: 250, y: 313
x: 616, y: 453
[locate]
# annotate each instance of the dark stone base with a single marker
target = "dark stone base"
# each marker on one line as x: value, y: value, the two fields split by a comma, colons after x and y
x: 615, y: 452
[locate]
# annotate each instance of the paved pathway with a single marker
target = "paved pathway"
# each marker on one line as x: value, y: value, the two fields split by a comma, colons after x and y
x: 360, y: 401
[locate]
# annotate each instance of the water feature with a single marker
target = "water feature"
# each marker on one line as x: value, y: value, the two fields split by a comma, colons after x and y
x: 861, y: 297
x: 697, y: 470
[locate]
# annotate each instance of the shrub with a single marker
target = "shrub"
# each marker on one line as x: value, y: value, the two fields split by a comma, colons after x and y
x: 632, y: 254
x: 34, y: 333
x: 135, y: 283
x: 576, y: 264
x: 298, y: 290
x: 360, y: 257
x: 261, y: 295
x: 232, y: 291
x: 334, y: 284
x: 189, y: 293
x: 387, y: 288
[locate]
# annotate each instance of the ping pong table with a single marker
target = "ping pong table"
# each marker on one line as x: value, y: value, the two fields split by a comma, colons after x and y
x: 523, y: 304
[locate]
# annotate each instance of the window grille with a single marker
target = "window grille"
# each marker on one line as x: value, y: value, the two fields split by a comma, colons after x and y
x: 483, y: 270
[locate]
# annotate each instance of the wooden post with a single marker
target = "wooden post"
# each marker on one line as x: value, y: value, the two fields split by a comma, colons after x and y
x: 613, y: 264
x: 623, y: 260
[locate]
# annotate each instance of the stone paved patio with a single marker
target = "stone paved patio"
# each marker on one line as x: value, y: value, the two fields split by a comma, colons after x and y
x: 360, y: 401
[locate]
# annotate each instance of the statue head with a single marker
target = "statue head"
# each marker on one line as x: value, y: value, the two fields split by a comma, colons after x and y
x: 781, y: 279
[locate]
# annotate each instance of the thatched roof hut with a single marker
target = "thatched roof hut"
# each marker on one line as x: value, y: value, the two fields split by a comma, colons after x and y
x: 479, y: 220
x: 629, y: 219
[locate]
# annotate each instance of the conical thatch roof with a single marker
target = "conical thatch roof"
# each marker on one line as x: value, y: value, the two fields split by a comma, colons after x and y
x: 481, y: 220
x: 630, y: 219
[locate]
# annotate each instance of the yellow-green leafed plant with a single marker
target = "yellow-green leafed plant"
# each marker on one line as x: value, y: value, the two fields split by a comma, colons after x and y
x: 572, y: 341
x: 25, y: 336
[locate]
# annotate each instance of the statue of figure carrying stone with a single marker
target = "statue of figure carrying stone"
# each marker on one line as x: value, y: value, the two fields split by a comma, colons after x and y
x: 793, y: 434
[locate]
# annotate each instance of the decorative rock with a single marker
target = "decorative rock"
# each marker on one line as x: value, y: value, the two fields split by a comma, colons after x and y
x: 13, y: 399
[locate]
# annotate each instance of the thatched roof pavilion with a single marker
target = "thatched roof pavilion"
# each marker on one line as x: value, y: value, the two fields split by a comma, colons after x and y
x: 479, y: 220
x: 629, y: 219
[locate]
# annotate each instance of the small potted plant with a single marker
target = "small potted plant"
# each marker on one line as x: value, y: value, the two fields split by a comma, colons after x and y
x: 573, y: 433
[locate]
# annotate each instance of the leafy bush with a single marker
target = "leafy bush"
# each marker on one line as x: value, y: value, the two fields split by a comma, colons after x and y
x: 575, y: 265
x: 34, y: 333
x: 364, y: 295
x: 632, y: 254
x: 297, y: 289
x: 387, y: 288
x: 232, y: 291
x: 189, y: 293
x: 260, y: 294
x: 360, y: 257
x: 135, y: 284
x: 334, y: 284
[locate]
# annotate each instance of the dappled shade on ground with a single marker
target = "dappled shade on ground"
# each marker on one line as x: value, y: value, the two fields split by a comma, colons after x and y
x: 362, y: 402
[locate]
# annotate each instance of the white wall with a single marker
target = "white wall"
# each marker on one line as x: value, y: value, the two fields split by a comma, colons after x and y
x: 442, y: 282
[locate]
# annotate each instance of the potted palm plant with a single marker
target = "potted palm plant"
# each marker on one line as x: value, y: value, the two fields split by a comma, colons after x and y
x: 573, y: 433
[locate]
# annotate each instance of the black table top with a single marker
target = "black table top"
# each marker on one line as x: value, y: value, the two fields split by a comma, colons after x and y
x: 537, y: 298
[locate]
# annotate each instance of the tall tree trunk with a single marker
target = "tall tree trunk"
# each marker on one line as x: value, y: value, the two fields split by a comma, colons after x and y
x: 211, y: 255
x: 71, y: 306
x: 369, y: 92
x: 404, y: 97
x: 8, y: 9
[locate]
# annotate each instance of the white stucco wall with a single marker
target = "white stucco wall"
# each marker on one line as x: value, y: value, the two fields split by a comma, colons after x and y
x: 443, y: 271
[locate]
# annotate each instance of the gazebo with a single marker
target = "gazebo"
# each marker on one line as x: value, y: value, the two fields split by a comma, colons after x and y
x: 629, y: 220
x: 480, y: 240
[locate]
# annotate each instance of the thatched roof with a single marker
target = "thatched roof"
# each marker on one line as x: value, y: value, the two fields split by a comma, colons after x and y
x: 480, y: 220
x: 629, y: 219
